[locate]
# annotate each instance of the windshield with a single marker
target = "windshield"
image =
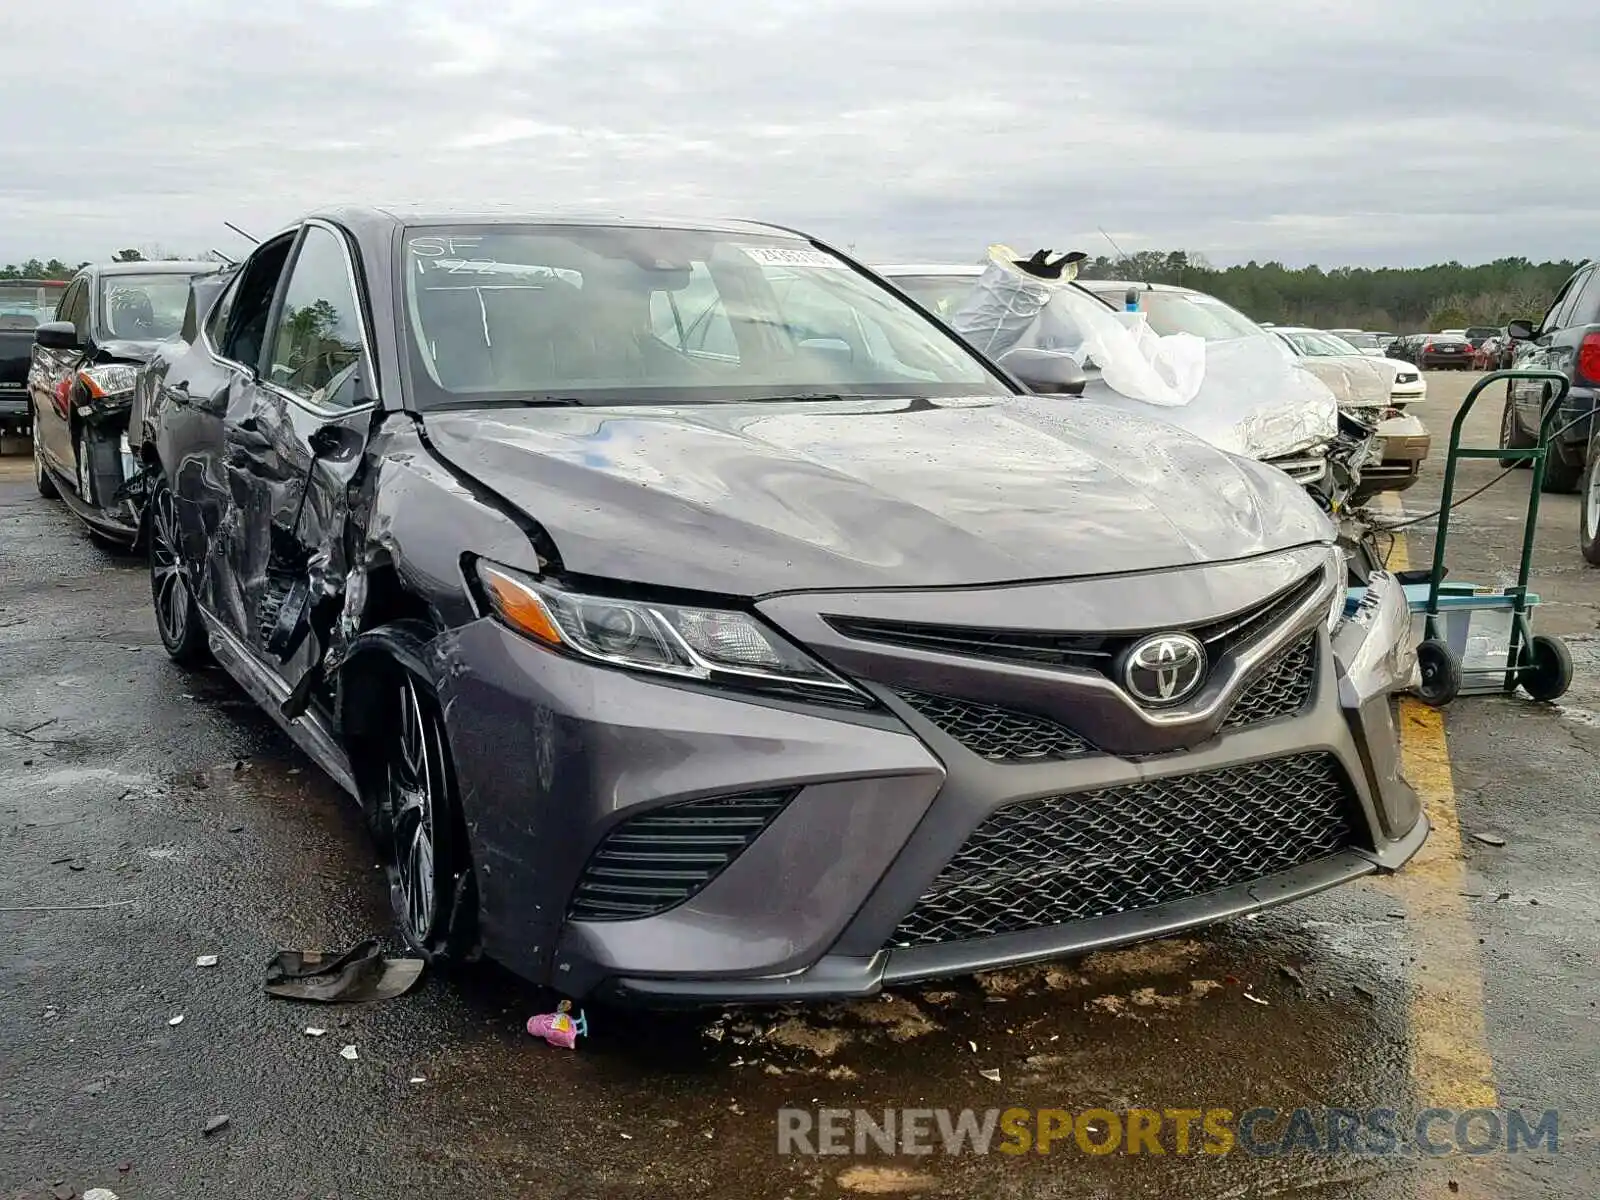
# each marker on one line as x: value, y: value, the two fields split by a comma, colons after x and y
x: 606, y: 314
x: 1318, y: 344
x: 1364, y: 341
x: 939, y: 294
x: 25, y: 305
x: 1190, y: 312
x: 143, y: 308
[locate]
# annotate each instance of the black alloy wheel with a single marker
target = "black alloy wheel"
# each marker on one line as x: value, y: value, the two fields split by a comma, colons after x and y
x: 178, y: 620
x: 431, y: 886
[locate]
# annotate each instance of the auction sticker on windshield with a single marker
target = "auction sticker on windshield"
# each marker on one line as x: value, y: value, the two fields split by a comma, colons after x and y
x: 793, y: 256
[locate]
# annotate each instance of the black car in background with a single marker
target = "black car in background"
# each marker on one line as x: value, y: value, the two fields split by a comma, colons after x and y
x: 1403, y: 347
x: 80, y: 383
x: 1444, y: 351
x: 1567, y: 339
x: 25, y: 304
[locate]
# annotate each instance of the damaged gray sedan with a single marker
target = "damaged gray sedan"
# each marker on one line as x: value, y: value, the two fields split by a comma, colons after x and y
x: 695, y: 620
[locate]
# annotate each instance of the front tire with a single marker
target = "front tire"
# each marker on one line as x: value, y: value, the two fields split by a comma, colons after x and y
x: 41, y: 473
x: 432, y: 888
x: 178, y: 620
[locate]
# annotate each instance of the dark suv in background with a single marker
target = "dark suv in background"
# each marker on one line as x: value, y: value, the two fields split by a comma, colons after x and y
x: 25, y: 304
x: 1566, y: 340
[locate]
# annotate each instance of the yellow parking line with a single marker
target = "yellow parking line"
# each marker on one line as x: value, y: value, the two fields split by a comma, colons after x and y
x: 1450, y: 1063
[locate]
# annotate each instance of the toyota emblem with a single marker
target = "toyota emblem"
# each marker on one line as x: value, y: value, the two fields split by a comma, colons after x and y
x: 1164, y: 669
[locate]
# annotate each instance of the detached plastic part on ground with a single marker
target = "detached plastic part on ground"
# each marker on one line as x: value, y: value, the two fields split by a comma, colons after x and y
x: 356, y: 976
x: 560, y: 1028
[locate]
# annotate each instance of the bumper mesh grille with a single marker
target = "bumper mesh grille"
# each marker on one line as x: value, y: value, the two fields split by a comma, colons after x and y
x: 658, y: 859
x: 1090, y: 854
x: 1000, y: 735
x: 1281, y: 688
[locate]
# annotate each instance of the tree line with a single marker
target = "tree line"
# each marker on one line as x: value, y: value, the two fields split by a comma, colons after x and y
x: 1397, y: 299
x: 56, y: 269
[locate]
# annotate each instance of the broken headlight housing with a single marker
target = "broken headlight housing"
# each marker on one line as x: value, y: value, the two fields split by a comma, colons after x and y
x: 719, y: 646
x: 1339, y: 569
x: 110, y: 379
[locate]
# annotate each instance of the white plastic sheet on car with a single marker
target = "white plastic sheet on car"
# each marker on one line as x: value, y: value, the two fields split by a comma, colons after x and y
x: 1010, y: 309
x: 1357, y: 383
x: 1245, y: 395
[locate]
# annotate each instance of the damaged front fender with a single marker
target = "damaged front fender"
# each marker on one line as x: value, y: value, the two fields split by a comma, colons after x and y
x: 1376, y: 659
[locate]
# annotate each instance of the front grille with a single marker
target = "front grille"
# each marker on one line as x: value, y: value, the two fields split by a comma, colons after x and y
x: 1000, y: 735
x: 1090, y: 854
x: 656, y: 860
x: 1280, y: 688
x: 1303, y: 469
x: 1094, y: 652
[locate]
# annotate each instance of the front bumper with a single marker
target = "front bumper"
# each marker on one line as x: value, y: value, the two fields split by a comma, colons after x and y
x: 880, y: 804
x: 1406, y: 444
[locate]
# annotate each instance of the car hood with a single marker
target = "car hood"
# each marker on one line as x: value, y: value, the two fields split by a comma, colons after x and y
x: 1355, y: 380
x: 755, y: 498
x: 126, y: 350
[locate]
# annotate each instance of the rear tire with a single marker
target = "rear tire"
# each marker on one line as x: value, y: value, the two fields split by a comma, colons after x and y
x: 41, y: 473
x: 178, y: 619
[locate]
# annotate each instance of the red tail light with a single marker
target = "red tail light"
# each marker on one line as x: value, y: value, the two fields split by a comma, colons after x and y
x: 1589, y: 357
x: 1427, y: 348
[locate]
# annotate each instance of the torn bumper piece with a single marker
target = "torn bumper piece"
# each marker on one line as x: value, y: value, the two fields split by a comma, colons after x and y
x: 868, y: 857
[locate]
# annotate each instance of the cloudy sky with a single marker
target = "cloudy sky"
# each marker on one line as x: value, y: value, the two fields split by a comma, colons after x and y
x: 1356, y: 131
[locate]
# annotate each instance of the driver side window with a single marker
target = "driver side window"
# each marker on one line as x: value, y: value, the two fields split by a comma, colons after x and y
x: 1561, y: 308
x: 250, y: 304
x: 318, y: 343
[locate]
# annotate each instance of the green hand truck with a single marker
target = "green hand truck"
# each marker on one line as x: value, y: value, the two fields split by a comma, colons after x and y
x: 1538, y: 663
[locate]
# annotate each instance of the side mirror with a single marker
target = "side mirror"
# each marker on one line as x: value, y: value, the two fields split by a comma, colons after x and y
x: 1522, y: 331
x: 1045, y: 372
x: 334, y: 442
x: 57, y: 335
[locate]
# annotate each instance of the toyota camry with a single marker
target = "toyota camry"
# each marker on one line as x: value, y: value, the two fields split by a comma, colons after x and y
x: 696, y: 619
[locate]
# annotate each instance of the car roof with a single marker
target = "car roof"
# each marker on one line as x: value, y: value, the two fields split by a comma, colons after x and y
x: 368, y: 217
x: 165, y: 266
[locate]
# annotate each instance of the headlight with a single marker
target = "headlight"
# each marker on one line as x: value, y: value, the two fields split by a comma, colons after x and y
x: 711, y: 645
x: 1339, y: 566
x: 109, y: 380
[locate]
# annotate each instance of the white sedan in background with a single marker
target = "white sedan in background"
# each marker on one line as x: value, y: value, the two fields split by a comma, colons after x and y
x: 1409, y: 385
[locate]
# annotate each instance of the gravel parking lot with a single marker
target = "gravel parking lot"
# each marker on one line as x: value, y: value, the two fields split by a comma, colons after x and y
x: 147, y: 818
